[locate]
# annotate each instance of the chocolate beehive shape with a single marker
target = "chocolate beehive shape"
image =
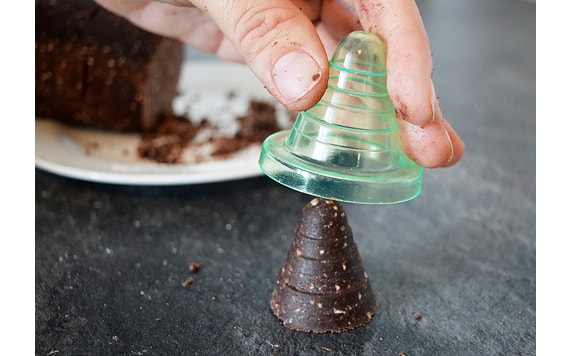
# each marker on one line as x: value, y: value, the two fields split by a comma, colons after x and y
x: 322, y: 285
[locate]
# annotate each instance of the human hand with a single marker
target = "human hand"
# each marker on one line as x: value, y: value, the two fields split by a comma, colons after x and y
x: 287, y: 43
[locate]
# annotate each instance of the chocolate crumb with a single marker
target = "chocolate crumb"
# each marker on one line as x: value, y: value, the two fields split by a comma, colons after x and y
x: 259, y: 122
x: 90, y: 147
x: 276, y: 349
x: 418, y: 316
x: 166, y: 141
x: 187, y: 282
x: 224, y: 146
x: 194, y: 267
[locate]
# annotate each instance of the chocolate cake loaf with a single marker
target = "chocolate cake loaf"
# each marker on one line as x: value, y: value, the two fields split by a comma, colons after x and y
x: 96, y: 69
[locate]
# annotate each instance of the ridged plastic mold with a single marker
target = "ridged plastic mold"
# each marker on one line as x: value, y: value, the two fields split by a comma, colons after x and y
x: 347, y: 146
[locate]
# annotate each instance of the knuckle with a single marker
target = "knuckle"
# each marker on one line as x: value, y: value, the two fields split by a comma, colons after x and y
x: 260, y: 26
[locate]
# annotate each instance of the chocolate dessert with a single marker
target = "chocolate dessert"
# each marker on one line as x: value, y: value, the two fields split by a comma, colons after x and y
x: 100, y: 71
x: 97, y: 69
x: 322, y: 285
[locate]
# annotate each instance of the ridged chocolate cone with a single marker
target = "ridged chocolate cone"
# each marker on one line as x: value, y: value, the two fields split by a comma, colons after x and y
x: 322, y: 285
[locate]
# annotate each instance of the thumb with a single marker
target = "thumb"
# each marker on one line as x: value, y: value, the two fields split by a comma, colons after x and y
x: 279, y: 44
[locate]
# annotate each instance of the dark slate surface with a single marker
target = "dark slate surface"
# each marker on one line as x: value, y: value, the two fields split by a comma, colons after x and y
x: 110, y: 260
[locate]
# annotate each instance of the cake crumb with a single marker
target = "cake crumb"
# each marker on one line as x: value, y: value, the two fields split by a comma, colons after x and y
x: 166, y: 141
x: 187, y: 282
x: 194, y: 267
x: 223, y: 126
x: 90, y: 147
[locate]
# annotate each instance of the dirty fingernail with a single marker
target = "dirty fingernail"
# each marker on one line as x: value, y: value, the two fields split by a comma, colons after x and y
x: 295, y: 74
x: 451, y: 151
x: 434, y: 102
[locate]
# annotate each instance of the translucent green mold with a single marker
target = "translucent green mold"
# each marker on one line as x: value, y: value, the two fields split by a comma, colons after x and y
x: 347, y: 146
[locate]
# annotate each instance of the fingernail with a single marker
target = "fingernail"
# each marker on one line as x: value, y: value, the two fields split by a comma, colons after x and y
x: 434, y: 102
x: 295, y: 74
x: 450, y: 145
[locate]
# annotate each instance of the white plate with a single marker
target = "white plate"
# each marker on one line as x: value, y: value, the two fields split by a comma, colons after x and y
x: 108, y: 157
